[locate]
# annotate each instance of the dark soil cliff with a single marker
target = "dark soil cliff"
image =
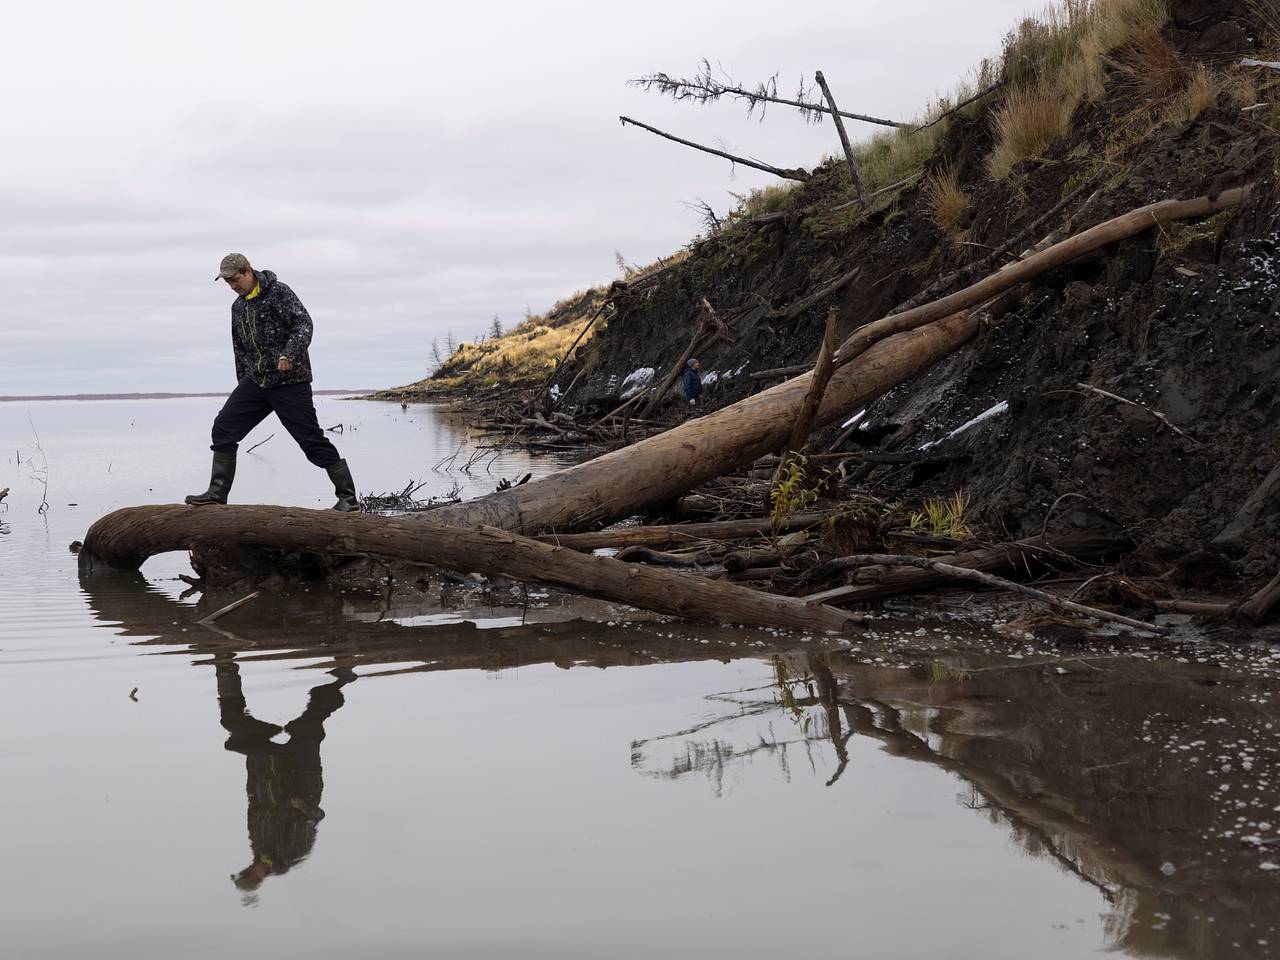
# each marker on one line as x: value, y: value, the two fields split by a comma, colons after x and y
x: 1179, y: 320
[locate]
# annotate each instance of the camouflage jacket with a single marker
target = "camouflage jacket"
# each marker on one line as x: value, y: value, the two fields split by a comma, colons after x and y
x: 272, y: 325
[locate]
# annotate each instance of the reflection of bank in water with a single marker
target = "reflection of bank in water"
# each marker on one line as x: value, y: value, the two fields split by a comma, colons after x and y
x: 1098, y: 763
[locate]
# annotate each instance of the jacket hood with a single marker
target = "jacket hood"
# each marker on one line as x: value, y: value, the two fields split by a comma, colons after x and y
x: 266, y: 279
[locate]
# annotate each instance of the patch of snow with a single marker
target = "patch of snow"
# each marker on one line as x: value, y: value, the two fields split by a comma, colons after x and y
x: 636, y: 381
x: 710, y: 377
x: 992, y: 411
x: 555, y: 391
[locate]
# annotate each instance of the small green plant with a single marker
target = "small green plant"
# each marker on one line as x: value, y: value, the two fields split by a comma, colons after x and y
x: 943, y: 516
x: 789, y: 494
x: 940, y: 672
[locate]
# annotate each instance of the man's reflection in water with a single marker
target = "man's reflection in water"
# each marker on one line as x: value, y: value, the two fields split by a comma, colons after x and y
x: 284, y: 780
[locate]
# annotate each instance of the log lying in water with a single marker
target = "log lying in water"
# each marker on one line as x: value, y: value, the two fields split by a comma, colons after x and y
x: 125, y: 538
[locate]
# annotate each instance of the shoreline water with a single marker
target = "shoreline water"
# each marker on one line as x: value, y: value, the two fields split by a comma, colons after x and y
x: 35, y: 398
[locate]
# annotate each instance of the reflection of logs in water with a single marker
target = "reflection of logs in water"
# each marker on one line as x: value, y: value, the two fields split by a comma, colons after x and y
x: 1063, y: 753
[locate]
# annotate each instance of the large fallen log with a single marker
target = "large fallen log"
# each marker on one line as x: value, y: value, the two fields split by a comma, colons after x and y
x: 660, y: 468
x: 125, y: 538
x: 1095, y: 238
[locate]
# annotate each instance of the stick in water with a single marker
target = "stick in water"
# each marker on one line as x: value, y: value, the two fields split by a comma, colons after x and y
x: 1000, y: 583
x: 229, y: 607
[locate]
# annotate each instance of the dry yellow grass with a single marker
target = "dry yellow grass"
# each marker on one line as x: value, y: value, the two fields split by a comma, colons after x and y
x: 947, y: 202
x: 1200, y: 94
x: 1055, y: 62
x: 1025, y: 124
x: 1152, y: 66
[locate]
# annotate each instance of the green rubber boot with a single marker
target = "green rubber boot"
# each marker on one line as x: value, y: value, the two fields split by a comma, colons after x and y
x: 344, y: 487
x: 224, y: 471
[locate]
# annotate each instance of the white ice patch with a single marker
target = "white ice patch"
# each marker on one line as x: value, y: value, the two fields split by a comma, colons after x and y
x: 636, y: 381
x: 987, y: 414
x: 555, y: 391
x: 710, y: 377
x: 854, y: 419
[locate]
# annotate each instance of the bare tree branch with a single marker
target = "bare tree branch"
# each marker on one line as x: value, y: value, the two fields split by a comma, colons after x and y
x: 788, y: 174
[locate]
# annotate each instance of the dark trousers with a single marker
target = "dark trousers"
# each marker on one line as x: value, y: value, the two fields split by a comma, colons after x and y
x: 249, y: 405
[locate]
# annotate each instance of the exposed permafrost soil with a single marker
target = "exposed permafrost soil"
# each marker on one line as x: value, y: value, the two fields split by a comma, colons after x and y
x: 1181, y: 320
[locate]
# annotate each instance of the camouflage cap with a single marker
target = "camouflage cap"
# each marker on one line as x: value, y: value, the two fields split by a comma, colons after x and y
x: 231, y: 264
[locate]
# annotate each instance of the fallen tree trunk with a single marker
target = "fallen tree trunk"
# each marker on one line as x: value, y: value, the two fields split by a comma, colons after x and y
x: 660, y: 468
x: 125, y: 538
x: 1005, y: 558
x: 1110, y: 231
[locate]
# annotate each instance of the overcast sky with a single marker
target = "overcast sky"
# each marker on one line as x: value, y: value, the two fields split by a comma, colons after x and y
x: 408, y: 168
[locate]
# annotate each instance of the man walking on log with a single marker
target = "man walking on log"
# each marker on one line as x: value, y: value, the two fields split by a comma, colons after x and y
x: 270, y: 333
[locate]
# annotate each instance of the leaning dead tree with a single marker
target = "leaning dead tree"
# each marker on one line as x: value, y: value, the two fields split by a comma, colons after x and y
x: 854, y: 173
x: 785, y: 173
x: 703, y: 87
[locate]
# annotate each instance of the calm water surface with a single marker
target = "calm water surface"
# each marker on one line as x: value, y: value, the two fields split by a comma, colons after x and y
x: 329, y: 776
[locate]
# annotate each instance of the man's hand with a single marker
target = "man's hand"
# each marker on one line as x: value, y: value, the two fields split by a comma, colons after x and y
x: 283, y: 365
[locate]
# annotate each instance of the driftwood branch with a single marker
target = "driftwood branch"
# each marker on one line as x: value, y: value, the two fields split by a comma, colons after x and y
x: 1111, y: 231
x: 786, y: 174
x: 804, y: 303
x: 813, y: 399
x: 854, y: 173
x: 1251, y: 511
x: 668, y: 381
x: 555, y: 372
x: 999, y: 583
x: 223, y: 611
x: 1023, y: 555
x: 1155, y: 413
x: 1253, y: 608
x: 125, y: 538
x: 259, y: 443
x: 961, y: 105
x: 671, y: 534
x: 1015, y: 242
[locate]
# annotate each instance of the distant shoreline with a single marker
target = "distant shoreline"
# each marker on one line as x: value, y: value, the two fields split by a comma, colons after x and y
x: 158, y: 396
